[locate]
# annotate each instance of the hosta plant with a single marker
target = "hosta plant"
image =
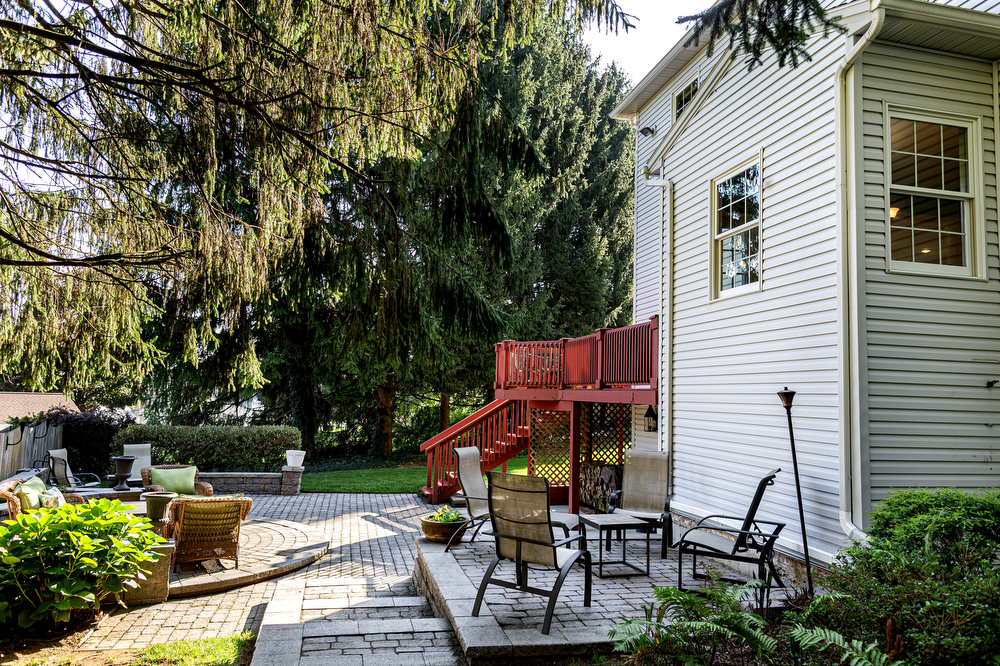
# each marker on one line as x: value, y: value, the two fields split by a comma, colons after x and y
x: 72, y: 557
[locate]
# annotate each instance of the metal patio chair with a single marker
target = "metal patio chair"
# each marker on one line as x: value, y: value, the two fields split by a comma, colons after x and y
x: 753, y: 544
x: 143, y: 458
x: 474, y: 492
x: 645, y: 475
x: 61, y: 475
x: 522, y: 530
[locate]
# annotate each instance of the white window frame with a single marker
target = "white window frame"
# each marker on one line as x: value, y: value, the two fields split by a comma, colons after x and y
x: 715, y: 290
x: 974, y: 249
x: 673, y: 97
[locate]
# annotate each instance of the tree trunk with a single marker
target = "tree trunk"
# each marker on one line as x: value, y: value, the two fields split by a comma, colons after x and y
x: 302, y: 396
x: 445, y: 411
x: 382, y: 446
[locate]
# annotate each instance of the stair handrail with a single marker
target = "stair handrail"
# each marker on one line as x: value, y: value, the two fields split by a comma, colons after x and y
x: 463, y: 425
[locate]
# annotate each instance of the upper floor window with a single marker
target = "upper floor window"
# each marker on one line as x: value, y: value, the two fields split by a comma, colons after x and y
x: 735, y: 204
x: 684, y: 97
x: 932, y: 194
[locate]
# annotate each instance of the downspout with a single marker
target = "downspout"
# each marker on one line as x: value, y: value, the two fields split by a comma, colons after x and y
x: 665, y: 393
x: 848, y: 368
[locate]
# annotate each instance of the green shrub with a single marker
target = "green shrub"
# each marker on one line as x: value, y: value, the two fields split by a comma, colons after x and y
x: 684, y: 627
x: 926, y: 587
x: 73, y: 557
x: 216, y: 448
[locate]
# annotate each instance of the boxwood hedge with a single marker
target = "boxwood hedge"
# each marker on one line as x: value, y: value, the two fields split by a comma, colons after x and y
x: 216, y: 448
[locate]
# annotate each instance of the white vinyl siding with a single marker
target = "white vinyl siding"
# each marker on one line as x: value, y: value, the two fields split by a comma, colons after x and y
x: 648, y: 219
x: 731, y: 356
x: 933, y: 341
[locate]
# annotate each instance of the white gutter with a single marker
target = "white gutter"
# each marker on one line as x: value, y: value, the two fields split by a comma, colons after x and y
x: 666, y: 384
x: 848, y: 261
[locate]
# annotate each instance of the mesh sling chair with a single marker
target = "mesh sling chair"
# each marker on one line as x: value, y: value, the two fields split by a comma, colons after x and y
x: 644, y: 493
x: 470, y: 477
x: 206, y: 528
x: 61, y: 475
x: 522, y: 529
x: 753, y: 544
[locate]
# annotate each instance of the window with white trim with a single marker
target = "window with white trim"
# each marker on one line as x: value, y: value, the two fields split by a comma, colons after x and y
x: 735, y: 206
x: 933, y: 162
x: 684, y: 97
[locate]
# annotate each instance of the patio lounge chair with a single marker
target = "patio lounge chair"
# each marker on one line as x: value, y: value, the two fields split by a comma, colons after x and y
x: 470, y: 477
x: 645, y: 475
x: 522, y: 529
x: 61, y: 475
x: 753, y: 544
x: 200, y: 487
x: 143, y: 458
x: 206, y: 528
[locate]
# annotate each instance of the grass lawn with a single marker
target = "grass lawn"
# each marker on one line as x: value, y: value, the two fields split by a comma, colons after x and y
x: 406, y: 479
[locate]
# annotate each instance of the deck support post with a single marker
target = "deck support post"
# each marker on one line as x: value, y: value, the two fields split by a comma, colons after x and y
x: 574, y: 458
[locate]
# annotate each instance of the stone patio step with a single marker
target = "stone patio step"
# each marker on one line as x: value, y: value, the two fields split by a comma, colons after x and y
x: 353, y: 629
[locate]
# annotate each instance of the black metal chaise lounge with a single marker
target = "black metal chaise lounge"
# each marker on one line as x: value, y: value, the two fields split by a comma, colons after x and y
x: 753, y: 544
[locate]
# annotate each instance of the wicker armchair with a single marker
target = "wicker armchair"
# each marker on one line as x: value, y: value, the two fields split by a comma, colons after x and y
x: 206, y: 528
x: 8, y: 493
x: 200, y: 487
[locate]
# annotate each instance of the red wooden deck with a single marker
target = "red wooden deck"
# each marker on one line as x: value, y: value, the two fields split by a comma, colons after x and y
x: 609, y: 365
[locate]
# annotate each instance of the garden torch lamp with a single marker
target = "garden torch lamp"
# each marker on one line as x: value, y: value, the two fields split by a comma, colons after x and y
x: 786, y: 402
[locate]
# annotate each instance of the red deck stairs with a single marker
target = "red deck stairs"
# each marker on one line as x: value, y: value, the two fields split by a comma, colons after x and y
x: 500, y: 430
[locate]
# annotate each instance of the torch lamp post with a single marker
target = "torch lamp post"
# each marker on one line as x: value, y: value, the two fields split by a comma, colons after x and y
x: 786, y: 402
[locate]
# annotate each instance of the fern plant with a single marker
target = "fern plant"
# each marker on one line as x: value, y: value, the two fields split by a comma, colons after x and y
x: 694, y: 628
x: 854, y: 653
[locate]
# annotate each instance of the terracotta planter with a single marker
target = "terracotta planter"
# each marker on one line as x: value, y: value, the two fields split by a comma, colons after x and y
x: 441, y: 532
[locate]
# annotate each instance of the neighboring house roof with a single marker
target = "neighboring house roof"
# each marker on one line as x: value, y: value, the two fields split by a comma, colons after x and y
x: 17, y: 405
x: 969, y: 26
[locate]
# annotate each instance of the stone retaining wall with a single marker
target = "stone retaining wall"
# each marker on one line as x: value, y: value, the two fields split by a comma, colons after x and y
x: 286, y: 482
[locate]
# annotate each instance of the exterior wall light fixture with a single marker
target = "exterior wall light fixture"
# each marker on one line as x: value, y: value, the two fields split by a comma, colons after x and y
x: 648, y: 131
x: 650, y: 419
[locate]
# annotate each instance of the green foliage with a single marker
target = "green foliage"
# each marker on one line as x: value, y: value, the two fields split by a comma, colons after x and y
x: 224, y: 651
x: 854, y: 653
x: 925, y: 586
x: 693, y: 628
x: 73, y: 557
x: 216, y: 448
x: 756, y: 27
x: 446, y: 514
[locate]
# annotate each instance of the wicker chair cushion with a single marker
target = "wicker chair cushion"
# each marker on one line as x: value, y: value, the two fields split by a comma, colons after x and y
x: 29, y: 494
x: 180, y: 481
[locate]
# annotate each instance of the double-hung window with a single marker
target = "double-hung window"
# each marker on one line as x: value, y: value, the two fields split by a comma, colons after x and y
x: 933, y: 180
x: 684, y: 97
x: 735, y: 219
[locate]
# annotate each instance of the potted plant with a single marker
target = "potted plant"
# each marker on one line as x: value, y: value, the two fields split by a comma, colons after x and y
x: 443, y: 523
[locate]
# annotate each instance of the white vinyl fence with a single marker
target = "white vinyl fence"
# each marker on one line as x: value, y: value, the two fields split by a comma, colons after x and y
x: 20, y: 448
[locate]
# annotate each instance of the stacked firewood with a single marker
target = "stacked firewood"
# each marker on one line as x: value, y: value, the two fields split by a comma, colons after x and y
x: 597, y: 482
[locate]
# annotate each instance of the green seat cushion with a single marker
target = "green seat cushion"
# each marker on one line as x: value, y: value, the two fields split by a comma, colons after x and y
x: 29, y: 493
x: 180, y: 481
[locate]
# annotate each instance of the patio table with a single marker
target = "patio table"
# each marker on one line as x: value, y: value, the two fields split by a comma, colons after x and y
x: 607, y: 523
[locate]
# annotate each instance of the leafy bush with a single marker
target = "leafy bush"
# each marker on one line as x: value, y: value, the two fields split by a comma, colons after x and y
x: 926, y: 587
x: 73, y: 557
x: 216, y: 448
x: 683, y: 627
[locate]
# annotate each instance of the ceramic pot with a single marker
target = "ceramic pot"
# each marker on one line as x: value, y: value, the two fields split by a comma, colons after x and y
x: 441, y: 532
x: 295, y: 458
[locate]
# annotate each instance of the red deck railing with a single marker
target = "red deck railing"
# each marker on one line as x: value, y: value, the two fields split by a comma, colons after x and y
x: 609, y: 357
x: 500, y: 430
